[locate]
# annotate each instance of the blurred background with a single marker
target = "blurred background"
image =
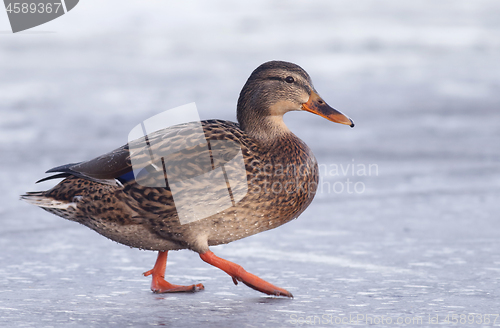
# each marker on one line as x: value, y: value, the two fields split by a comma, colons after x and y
x: 420, y: 79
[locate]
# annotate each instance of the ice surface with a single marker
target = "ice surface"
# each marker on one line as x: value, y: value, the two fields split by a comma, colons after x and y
x: 421, y: 81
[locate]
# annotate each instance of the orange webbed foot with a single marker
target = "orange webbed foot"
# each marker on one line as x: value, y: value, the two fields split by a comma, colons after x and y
x: 160, y: 285
x: 239, y: 274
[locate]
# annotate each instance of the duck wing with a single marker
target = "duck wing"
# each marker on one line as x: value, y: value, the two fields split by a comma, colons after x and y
x: 184, y: 151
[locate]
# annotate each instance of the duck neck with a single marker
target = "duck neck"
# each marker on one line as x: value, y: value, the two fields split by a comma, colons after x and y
x: 259, y: 116
x: 267, y: 129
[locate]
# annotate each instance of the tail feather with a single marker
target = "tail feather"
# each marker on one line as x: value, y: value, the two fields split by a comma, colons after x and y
x: 40, y: 199
x: 57, y: 176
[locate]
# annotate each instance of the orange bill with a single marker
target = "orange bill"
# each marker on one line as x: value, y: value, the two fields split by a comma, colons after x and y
x: 319, y: 107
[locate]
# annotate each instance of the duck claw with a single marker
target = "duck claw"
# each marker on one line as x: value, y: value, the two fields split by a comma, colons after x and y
x: 276, y: 292
x: 169, y: 288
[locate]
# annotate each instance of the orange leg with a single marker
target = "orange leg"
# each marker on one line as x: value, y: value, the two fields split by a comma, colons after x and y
x: 239, y: 274
x: 159, y: 285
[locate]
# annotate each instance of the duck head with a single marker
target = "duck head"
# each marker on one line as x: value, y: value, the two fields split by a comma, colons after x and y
x: 274, y: 88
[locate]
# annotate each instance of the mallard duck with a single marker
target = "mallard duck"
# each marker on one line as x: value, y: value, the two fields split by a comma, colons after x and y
x: 107, y: 195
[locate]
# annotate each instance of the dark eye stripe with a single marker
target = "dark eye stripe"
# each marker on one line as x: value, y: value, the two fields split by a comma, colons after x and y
x: 288, y: 79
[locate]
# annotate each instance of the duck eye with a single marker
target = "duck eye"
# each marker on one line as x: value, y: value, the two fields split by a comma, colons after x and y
x: 289, y: 79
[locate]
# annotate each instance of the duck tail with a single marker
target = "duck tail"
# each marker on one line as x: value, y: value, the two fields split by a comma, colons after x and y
x: 40, y: 199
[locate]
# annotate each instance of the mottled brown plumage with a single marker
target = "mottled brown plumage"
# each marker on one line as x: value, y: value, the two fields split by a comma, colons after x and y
x: 281, y: 177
